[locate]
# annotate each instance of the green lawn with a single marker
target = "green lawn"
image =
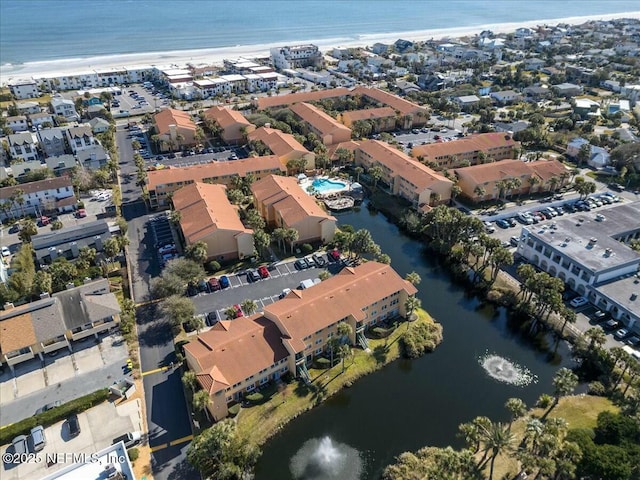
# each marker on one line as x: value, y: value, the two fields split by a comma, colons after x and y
x: 259, y: 422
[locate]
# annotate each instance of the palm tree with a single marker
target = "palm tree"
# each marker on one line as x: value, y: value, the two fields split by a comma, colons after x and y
x: 569, y: 316
x: 292, y: 235
x: 344, y: 351
x: 413, y: 278
x: 358, y: 171
x: 596, y: 337
x: 455, y: 191
x: 249, y: 306
x: 480, y: 192
x: 230, y: 313
x: 553, y: 183
x: 376, y: 174
x: 279, y: 235
x: 533, y: 180
x: 517, y: 408
x: 564, y: 383
x: 189, y: 379
x: 344, y: 330
x: 497, y: 439
x: 201, y: 401
x: 410, y: 305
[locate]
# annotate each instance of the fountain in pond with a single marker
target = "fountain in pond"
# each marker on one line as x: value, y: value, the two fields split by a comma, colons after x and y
x: 324, y: 459
x: 506, y: 371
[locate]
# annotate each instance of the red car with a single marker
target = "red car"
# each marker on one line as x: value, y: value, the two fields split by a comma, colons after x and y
x: 214, y: 284
x: 81, y: 213
x: 334, y: 255
x: 238, y: 311
x: 264, y: 273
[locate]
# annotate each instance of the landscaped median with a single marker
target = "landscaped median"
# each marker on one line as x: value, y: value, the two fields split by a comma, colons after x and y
x: 57, y: 414
x: 260, y: 421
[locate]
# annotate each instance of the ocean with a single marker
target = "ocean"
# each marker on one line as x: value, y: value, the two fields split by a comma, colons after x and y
x: 49, y: 30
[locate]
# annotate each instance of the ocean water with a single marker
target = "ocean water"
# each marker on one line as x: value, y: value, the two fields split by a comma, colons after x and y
x: 44, y: 30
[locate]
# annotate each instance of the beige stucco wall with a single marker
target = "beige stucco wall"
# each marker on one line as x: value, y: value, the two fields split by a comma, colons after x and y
x: 228, y: 244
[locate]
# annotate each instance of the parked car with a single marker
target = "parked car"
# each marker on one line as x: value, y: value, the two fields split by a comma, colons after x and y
x: 610, y: 324
x: 600, y: 316
x: 263, y: 272
x: 621, y: 334
x: 578, y: 302
x: 284, y: 293
x: 502, y: 223
x: 525, y: 218
x: 81, y: 213
x: 203, y: 286
x: 224, y: 281
x: 513, y: 241
x: 301, y: 264
x: 239, y: 312
x: 488, y: 226
x: 334, y: 255
x: 15, y: 228
x: 168, y: 248
x: 38, y: 437
x: 74, y: 425
x: 5, y: 251
x: 634, y: 341
x: 19, y: 444
x: 318, y: 260
x: 511, y: 221
x: 252, y: 275
x: 214, y: 284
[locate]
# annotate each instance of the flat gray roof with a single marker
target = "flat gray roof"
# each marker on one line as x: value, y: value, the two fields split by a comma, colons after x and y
x: 621, y: 291
x: 573, y: 235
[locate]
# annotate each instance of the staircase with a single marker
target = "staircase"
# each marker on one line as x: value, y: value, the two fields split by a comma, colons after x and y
x: 362, y: 341
x: 304, y: 373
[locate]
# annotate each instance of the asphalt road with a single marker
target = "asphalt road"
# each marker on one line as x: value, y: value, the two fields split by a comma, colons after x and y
x: 167, y: 415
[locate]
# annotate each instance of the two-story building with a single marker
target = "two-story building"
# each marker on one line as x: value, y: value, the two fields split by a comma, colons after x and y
x: 17, y: 123
x: 64, y: 108
x: 52, y: 142
x: 50, y: 195
x: 56, y: 321
x: 80, y: 138
x: 175, y: 129
x: 206, y: 215
x: 234, y: 126
x: 235, y: 357
x: 328, y: 129
x: 382, y: 119
x: 68, y: 241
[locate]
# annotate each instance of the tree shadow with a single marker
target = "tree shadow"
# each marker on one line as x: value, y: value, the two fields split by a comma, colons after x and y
x: 157, y: 334
x: 302, y: 389
x: 380, y: 353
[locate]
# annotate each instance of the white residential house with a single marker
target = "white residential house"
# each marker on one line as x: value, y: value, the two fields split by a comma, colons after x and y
x: 80, y: 138
x: 533, y: 64
x: 52, y: 194
x: 17, y: 123
x: 505, y: 97
x: 64, y: 108
x: 52, y: 142
x: 99, y: 125
x: 27, y: 108
x: 23, y: 145
x: 24, y: 89
x: 39, y: 120
x: 599, y: 157
x: 631, y: 93
x: 291, y: 57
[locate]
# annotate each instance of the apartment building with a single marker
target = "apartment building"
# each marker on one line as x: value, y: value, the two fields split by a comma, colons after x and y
x: 56, y: 321
x: 410, y: 114
x: 381, y: 119
x: 328, y: 130
x: 206, y: 215
x: 175, y: 129
x: 283, y: 145
x: 283, y: 204
x: 23, y: 145
x: 50, y: 195
x: 296, y: 56
x: 67, y: 242
x: 533, y: 177
x: 162, y: 183
x: 236, y: 357
x: 235, y: 127
x: 262, y: 103
x: 406, y: 178
x: 592, y: 256
x: 22, y: 89
x: 466, y: 151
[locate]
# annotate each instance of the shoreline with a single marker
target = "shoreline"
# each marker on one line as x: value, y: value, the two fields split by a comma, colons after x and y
x: 215, y: 56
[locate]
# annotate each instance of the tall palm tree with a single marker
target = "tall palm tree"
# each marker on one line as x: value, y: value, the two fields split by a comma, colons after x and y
x: 292, y: 236
x: 517, y: 408
x: 249, y: 306
x: 480, y: 192
x: 410, y: 305
x: 376, y: 174
x: 201, y: 401
x: 413, y: 278
x: 279, y: 235
x: 496, y: 439
x: 564, y: 383
x: 596, y: 337
x: 533, y: 181
x: 358, y: 171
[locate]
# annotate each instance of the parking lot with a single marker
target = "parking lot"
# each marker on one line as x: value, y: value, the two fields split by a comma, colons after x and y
x: 265, y: 291
x: 99, y: 426
x: 62, y: 376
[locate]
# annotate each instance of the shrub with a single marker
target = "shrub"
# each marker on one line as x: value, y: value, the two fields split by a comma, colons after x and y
x: 307, y: 248
x: 421, y: 338
x: 80, y: 204
x: 322, y: 362
x: 234, y: 409
x: 56, y: 225
x: 379, y: 332
x: 213, y: 266
x: 598, y: 389
x: 55, y: 415
x: 544, y: 401
x: 133, y: 454
x: 255, y: 397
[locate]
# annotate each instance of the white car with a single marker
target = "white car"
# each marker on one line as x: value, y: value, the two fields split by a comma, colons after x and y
x: 621, y: 334
x: 5, y: 251
x: 578, y: 302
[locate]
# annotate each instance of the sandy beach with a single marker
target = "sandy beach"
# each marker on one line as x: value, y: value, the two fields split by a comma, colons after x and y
x: 214, y: 56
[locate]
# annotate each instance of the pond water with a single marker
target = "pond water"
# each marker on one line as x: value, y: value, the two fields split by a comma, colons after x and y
x: 482, y: 362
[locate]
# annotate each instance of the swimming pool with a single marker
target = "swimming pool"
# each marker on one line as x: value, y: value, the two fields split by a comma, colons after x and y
x: 324, y: 185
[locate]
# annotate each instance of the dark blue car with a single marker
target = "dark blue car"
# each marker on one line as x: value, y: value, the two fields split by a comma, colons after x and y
x: 224, y: 281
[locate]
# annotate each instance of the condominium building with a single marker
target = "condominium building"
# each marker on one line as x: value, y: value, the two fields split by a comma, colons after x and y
x: 80, y: 138
x: 236, y: 357
x: 65, y: 108
x: 590, y: 253
x: 36, y: 198
x: 381, y: 119
x: 283, y: 145
x: 175, y: 129
x: 22, y: 89
x: 283, y: 204
x: 406, y: 177
x: 328, y: 129
x: 411, y: 114
x: 234, y: 126
x: 467, y: 151
x: 289, y: 57
x: 483, y: 182
x: 206, y: 215
x: 162, y: 183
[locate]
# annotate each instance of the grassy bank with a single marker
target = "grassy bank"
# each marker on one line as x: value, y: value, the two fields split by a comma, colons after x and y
x: 259, y: 422
x: 580, y: 411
